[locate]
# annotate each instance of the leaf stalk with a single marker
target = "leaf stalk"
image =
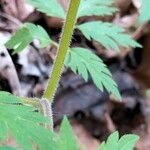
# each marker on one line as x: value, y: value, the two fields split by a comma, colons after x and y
x: 62, y: 50
x: 58, y: 66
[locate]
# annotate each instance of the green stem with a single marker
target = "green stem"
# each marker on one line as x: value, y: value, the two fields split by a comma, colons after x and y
x: 62, y: 50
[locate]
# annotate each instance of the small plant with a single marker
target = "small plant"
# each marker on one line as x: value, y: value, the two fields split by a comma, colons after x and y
x: 22, y: 117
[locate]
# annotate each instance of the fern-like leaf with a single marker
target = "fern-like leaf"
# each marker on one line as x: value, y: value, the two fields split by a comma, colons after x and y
x: 85, y: 62
x: 49, y: 7
x: 96, y: 7
x: 25, y: 35
x: 109, y: 35
x: 23, y: 123
x: 66, y: 138
x: 126, y: 142
x: 87, y: 8
x: 20, y: 40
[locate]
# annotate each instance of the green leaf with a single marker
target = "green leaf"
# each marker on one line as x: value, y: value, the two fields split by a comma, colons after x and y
x: 24, y: 124
x: 144, y: 12
x: 96, y: 7
x: 6, y: 97
x: 7, y: 148
x: 103, y: 146
x: 25, y: 35
x: 67, y: 139
x: 84, y: 62
x: 126, y: 142
x: 20, y: 40
x: 3, y: 132
x: 112, y: 141
x: 49, y: 7
x: 109, y: 35
x: 39, y: 33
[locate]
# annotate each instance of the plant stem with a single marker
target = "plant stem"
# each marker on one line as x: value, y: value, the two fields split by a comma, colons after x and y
x: 62, y: 50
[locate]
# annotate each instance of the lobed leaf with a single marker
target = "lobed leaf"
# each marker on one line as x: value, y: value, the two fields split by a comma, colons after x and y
x: 25, y: 35
x: 38, y: 32
x: 67, y: 139
x: 112, y: 141
x: 109, y: 35
x: 96, y: 7
x: 49, y: 7
x: 84, y: 62
x: 20, y: 40
x: 24, y: 124
x: 126, y: 142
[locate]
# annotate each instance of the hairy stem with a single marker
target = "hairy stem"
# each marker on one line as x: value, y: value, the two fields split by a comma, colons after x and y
x: 62, y: 50
x: 54, y: 78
